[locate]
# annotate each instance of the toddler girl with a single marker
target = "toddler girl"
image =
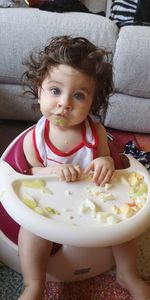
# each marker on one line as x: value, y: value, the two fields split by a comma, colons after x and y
x: 72, y: 79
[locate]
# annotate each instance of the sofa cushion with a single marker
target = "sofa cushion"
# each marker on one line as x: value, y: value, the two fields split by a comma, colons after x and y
x: 128, y: 113
x: 15, y: 106
x: 27, y: 28
x: 131, y: 61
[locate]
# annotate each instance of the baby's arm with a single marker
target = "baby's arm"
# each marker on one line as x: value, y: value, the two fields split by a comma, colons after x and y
x: 103, y: 166
x: 65, y: 172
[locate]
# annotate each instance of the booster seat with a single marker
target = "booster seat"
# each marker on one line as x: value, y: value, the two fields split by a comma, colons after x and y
x: 69, y: 262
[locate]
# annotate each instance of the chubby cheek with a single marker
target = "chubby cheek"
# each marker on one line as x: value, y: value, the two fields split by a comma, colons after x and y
x: 44, y: 108
x: 86, y: 109
x: 83, y: 113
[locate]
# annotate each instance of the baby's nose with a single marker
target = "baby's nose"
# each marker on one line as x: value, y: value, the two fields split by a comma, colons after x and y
x: 65, y: 104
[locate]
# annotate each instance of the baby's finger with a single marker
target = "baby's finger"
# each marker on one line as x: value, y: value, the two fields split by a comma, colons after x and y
x: 88, y: 169
x: 106, y: 178
x: 74, y: 172
x: 61, y: 175
x: 68, y: 172
x: 96, y: 175
x: 78, y: 170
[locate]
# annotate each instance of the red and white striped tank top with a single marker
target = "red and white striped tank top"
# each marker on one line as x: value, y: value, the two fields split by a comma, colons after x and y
x: 81, y: 155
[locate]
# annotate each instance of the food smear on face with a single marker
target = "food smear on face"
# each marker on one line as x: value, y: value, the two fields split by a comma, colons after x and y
x: 60, y: 121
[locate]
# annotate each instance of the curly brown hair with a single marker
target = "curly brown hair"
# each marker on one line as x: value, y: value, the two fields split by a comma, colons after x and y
x: 79, y: 53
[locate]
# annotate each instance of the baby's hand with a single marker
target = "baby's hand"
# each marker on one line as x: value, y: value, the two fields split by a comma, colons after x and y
x: 67, y: 172
x: 102, y: 169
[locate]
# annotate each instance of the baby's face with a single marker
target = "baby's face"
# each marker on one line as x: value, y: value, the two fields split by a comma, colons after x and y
x: 66, y: 96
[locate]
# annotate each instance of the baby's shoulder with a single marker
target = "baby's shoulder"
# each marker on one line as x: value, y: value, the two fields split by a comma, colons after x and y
x: 28, y: 139
x: 98, y: 126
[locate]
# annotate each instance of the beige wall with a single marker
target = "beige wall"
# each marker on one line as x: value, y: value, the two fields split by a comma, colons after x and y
x: 95, y: 5
x: 98, y: 5
x: 108, y: 5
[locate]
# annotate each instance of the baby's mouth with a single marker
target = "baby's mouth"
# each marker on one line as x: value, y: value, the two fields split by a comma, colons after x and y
x: 60, y: 120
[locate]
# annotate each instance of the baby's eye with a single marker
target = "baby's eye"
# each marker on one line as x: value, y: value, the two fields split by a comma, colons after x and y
x: 79, y: 96
x: 55, y: 91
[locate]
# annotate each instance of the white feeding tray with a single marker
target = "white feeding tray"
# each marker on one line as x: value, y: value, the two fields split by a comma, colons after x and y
x: 79, y: 213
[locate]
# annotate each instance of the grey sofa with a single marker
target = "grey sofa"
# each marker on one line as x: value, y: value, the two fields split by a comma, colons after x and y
x: 22, y: 29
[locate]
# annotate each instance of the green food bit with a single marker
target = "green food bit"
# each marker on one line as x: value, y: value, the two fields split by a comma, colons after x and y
x: 46, y: 190
x: 143, y: 189
x: 30, y: 202
x: 39, y: 210
x: 52, y: 211
x: 139, y: 190
x: 85, y: 208
x: 35, y: 184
